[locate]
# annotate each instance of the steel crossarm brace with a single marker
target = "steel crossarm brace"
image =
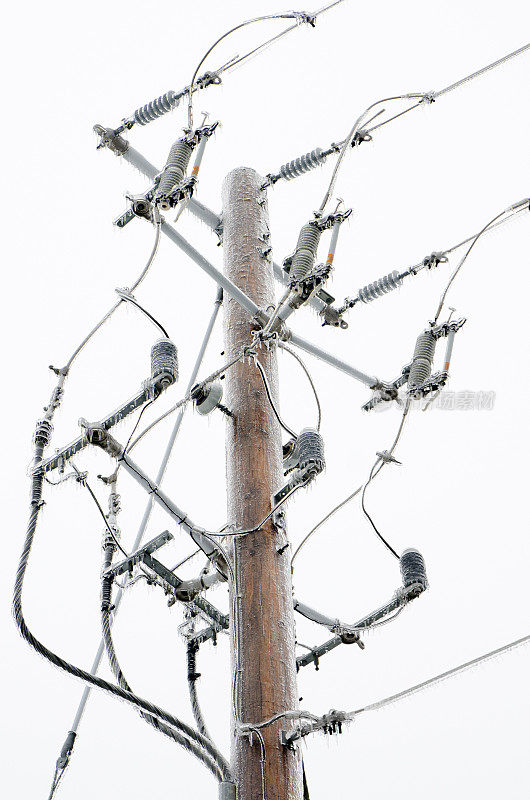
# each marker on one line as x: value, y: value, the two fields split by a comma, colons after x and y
x: 230, y: 288
x: 398, y: 600
x: 333, y: 361
x: 210, y: 218
x: 61, y: 456
x: 197, y: 534
x: 177, y: 584
x: 313, y: 656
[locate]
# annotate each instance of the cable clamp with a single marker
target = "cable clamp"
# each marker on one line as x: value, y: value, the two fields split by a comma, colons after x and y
x: 111, y: 139
x: 428, y: 98
x: 304, y: 18
x: 387, y: 457
x: 432, y: 261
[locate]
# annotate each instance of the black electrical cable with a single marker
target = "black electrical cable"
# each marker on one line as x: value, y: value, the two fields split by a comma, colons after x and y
x: 193, y: 675
x: 120, y: 677
x: 130, y: 299
x: 369, y: 518
x: 53, y: 658
x: 271, y: 401
x: 85, y: 483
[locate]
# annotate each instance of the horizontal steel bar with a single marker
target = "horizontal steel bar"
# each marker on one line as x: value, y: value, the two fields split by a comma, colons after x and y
x: 313, y: 655
x: 333, y: 361
x: 200, y: 211
x: 81, y: 442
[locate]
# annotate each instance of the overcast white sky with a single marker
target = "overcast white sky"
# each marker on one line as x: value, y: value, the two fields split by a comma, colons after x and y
x: 427, y: 181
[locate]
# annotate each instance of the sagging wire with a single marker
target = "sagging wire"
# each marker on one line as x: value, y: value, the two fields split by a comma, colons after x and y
x: 380, y: 463
x: 300, y: 16
x: 271, y: 400
x: 287, y: 349
x: 347, y: 142
x: 385, y: 457
x: 522, y: 205
x: 109, y: 313
x: 126, y: 295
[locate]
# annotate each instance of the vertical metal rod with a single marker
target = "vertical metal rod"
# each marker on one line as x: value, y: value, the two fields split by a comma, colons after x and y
x: 149, y: 507
x: 262, y: 619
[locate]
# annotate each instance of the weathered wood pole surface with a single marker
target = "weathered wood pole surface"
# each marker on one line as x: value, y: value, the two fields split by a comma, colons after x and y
x: 262, y: 621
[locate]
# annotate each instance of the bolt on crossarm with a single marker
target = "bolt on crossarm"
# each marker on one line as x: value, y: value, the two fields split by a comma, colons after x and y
x: 262, y: 620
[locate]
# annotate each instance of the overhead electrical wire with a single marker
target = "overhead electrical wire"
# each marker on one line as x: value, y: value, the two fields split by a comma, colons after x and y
x: 283, y: 346
x: 111, y: 311
x: 199, y: 742
x: 511, y: 210
x: 286, y: 15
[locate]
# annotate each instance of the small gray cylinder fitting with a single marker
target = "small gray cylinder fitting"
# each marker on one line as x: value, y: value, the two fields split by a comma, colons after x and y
x: 227, y: 791
x: 310, y: 446
x: 413, y: 570
x: 164, y: 364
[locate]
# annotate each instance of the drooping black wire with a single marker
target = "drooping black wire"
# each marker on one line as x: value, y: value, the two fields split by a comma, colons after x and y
x: 271, y: 401
x: 83, y: 481
x: 53, y: 658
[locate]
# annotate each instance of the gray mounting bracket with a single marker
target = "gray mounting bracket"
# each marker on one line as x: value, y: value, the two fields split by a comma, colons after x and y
x: 61, y: 456
x: 127, y: 564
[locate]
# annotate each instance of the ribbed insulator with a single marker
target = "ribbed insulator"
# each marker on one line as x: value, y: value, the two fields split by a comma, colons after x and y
x: 298, y: 166
x: 380, y: 287
x: 422, y: 359
x: 166, y: 102
x: 306, y: 251
x: 164, y: 363
x: 175, y: 169
x: 43, y: 432
x: 310, y: 446
x: 413, y: 569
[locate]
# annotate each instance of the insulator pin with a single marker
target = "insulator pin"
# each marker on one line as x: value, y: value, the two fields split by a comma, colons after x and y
x: 298, y: 166
x: 380, y: 287
x: 174, y: 171
x: 310, y: 446
x: 422, y: 359
x: 161, y: 105
x: 413, y: 570
x: 207, y: 398
x: 164, y: 364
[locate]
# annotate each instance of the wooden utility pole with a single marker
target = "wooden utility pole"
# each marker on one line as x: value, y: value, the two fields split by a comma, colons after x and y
x: 262, y: 620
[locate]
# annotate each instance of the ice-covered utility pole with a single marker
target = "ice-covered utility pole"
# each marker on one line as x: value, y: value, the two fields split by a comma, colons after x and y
x: 262, y: 632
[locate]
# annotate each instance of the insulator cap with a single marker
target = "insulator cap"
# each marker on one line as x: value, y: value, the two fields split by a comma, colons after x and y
x: 413, y: 570
x: 164, y: 364
x: 310, y: 446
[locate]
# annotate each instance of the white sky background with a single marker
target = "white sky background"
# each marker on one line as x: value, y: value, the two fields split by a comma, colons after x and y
x: 427, y: 181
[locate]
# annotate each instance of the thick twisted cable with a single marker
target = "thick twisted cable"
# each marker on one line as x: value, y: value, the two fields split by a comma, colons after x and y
x: 192, y: 686
x: 191, y: 747
x: 100, y: 683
